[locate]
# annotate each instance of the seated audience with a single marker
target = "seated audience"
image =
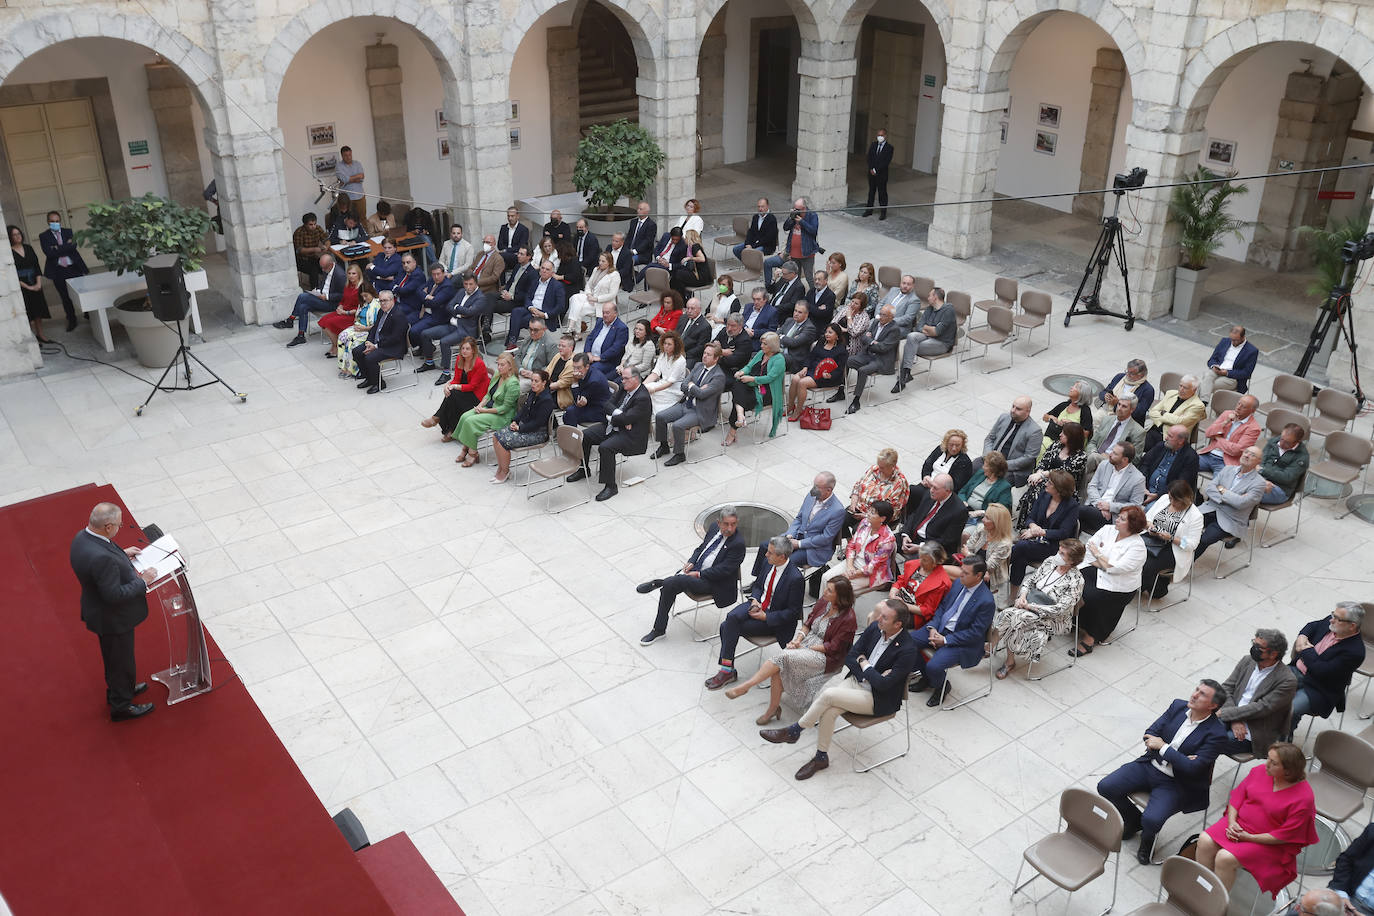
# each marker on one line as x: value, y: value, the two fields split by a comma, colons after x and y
x: 586, y: 245
x: 1111, y: 576
x: 1175, y: 524
x: 1231, y: 496
x: 1231, y: 364
x: 1044, y: 607
x: 763, y: 373
x: 762, y: 233
x: 515, y: 288
x: 785, y: 292
x: 562, y: 376
x: 773, y: 609
x: 825, y: 368
x: 529, y: 428
x: 938, y: 516
x: 804, y: 666
x: 820, y: 300
x: 347, y: 230
x: 814, y: 530
x: 735, y: 347
x: 949, y: 457
x: 796, y: 337
x: 878, y: 356
x: 880, y: 662
x: 906, y: 305
x: 640, y: 235
x: 934, y: 334
x: 1284, y: 463
x: 1230, y: 434
x: 1074, y: 409
x: 1017, y: 437
x: 603, y: 287
x: 556, y: 230
x: 883, y: 480
x: 867, y: 559
x: 325, y: 297
x: 986, y: 487
x: 1259, y: 694
x: 310, y: 241
x: 434, y: 307
x: 695, y: 331
x: 854, y: 320
x: 381, y: 221
x: 958, y: 631
x: 1181, y: 407
x: 589, y: 396
x: 1269, y: 818
x: 465, y: 314
x: 667, y: 253
x: 1134, y: 382
x: 1326, y: 655
x: 1176, y: 768
x: 386, y: 339
x: 625, y: 432
x: 642, y: 350
x: 467, y: 388
x: 1068, y: 455
x: 669, y: 314
x: 670, y: 368
x: 1173, y: 459
x: 758, y: 318
x: 386, y: 268
x: 351, y: 336
x: 496, y: 410
x: 534, y: 353
x: 697, y: 407
x: 725, y: 302
x: 409, y: 288
x: 1114, y: 486
x: 1053, y: 518
x: 605, y: 344
x: 488, y: 266
x: 694, y: 269
x: 546, y: 300
x: 923, y: 583
x: 690, y: 220
x: 1120, y: 426
x: 513, y: 236
x: 712, y: 571
x: 866, y: 284
x: 343, y: 316
x: 992, y: 540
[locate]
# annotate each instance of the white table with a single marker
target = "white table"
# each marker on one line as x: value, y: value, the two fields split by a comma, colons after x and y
x: 98, y: 292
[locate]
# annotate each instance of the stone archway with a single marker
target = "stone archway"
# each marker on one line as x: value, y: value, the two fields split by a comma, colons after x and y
x: 1008, y: 31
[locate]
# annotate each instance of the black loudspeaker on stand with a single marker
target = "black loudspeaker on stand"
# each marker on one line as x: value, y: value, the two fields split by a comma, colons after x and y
x: 171, y: 301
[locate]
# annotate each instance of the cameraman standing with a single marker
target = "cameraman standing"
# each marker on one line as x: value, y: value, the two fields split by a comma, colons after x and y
x: 800, y: 244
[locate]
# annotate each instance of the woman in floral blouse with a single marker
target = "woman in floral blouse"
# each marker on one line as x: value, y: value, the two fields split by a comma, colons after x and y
x: 1043, y: 608
x: 882, y: 481
x: 868, y: 558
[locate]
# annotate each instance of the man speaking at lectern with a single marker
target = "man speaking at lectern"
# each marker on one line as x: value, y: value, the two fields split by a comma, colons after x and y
x: 113, y: 601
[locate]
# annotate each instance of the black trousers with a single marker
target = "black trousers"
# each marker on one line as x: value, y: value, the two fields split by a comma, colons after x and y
x: 673, y: 586
x: 608, y: 443
x: 1211, y: 533
x: 1023, y: 553
x: 1101, y: 608
x: 369, y: 364
x: 738, y: 623
x: 1151, y: 574
x: 877, y: 186
x: 1090, y: 518
x: 117, y: 652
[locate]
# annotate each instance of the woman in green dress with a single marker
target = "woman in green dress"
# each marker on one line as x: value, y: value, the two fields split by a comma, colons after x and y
x: 744, y: 391
x: 496, y: 410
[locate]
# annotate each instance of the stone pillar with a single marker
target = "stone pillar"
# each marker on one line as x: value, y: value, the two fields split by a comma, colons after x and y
x: 1315, y: 115
x: 970, y: 141
x: 668, y: 110
x: 565, y: 114
x: 711, y: 100
x: 478, y: 108
x: 388, y: 120
x: 1103, y: 105
x: 171, y: 101
x: 18, y: 350
x: 827, y: 67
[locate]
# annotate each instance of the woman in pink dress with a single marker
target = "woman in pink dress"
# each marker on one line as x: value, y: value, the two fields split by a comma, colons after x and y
x: 1269, y: 818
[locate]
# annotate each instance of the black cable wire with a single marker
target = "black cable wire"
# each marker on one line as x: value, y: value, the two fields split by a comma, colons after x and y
x: 53, y: 347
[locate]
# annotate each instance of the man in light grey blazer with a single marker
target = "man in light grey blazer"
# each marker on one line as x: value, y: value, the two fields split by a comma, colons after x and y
x: 699, y: 406
x: 1259, y: 696
x: 1117, y: 484
x: 906, y: 305
x: 1018, y: 438
x: 1120, y: 426
x: 1231, y: 496
x: 536, y: 352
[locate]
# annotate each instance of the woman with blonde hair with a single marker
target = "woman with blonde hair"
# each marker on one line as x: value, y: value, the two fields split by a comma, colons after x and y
x: 602, y: 287
x: 992, y: 540
x: 764, y: 371
x: 694, y: 270
x: 496, y: 410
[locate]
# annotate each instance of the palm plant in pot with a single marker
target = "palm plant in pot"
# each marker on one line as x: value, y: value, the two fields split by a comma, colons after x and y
x: 126, y: 233
x: 1201, y: 209
x: 614, y: 161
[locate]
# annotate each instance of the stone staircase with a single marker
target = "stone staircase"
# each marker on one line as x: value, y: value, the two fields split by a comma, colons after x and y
x: 604, y: 95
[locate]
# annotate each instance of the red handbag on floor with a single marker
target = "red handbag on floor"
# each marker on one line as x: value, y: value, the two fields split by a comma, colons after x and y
x: 815, y: 418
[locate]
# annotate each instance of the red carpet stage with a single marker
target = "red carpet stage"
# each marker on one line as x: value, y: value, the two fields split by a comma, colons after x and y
x: 196, y: 808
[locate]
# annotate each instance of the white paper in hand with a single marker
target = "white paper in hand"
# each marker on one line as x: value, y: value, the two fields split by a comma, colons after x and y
x: 161, y: 556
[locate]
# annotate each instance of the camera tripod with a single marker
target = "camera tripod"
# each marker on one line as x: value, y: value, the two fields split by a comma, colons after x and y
x: 184, y: 356
x: 1338, y: 309
x: 1110, y: 242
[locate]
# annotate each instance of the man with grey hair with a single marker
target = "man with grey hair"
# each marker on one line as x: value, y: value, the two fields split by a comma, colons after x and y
x: 1134, y: 380
x: 814, y: 530
x: 625, y: 432
x: 695, y: 331
x: 699, y: 408
x: 1230, y: 434
x: 1326, y: 655
x: 773, y: 609
x: 1231, y: 495
x: 799, y: 242
x: 1119, y: 427
x: 786, y: 291
x: 877, y: 357
x: 712, y: 571
x: 1180, y: 407
x: 113, y: 602
x: 1259, y: 696
x: 1321, y: 901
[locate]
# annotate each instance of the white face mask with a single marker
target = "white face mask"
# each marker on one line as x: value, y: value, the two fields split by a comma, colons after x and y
x: 486, y: 247
x: 882, y: 139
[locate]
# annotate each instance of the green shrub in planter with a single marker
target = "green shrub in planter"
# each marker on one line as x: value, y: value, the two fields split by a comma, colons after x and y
x: 125, y: 233
x: 616, y: 160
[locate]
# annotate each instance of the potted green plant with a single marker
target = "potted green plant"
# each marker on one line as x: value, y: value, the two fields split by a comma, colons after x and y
x: 1326, y: 246
x: 614, y: 161
x: 126, y: 233
x: 1201, y: 209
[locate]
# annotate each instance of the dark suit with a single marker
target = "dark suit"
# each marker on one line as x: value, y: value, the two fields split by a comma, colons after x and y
x: 878, y: 357
x: 598, y: 397
x: 388, y: 333
x: 1062, y: 524
x: 409, y: 291
x: 1267, y: 713
x: 761, y: 234
x: 784, y: 294
x: 947, y: 526
x: 521, y: 280
x: 796, y: 340
x: 1184, y: 468
x: 1321, y: 689
x: 720, y: 579
x: 1242, y: 368
x: 588, y: 249
x: 1186, y: 790
x: 887, y: 675
x: 675, y: 252
x: 553, y: 305
x: 639, y: 238
x: 560, y: 232
x: 781, y: 616
x: 434, y: 309
x: 612, y: 348
x: 766, y: 321
x: 113, y: 602
x: 742, y: 347
x: 331, y: 285
x: 820, y: 304
x: 695, y: 334
x: 879, y: 159
x: 964, y: 635
x: 625, y: 432
x: 62, y: 246
x: 1353, y: 865
x: 625, y: 266
x: 509, y: 241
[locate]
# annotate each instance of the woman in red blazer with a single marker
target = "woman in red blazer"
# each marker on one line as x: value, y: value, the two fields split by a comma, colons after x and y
x: 669, y: 314
x: 462, y: 392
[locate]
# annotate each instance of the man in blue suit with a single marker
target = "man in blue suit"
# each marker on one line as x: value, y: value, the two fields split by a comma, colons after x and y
x: 814, y: 530
x: 667, y: 253
x: 880, y: 663
x: 1230, y: 365
x: 957, y: 631
x: 773, y: 609
x: 385, y: 340
x: 591, y: 400
x: 63, y: 262
x: 606, y: 344
x: 712, y: 569
x: 758, y: 318
x: 546, y: 299
x: 409, y: 288
x: 434, y: 306
x: 1176, y: 768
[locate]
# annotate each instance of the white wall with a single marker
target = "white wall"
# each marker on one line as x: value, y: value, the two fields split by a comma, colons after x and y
x: 1054, y: 66
x: 923, y: 148
x: 739, y: 90
x: 531, y: 166
x: 317, y: 89
x: 1246, y: 110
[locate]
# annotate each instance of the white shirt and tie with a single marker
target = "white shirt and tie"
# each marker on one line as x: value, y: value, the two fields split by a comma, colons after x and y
x: 1184, y: 730
x: 713, y: 547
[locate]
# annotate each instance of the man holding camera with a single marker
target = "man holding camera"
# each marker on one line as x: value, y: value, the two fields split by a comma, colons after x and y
x: 799, y: 243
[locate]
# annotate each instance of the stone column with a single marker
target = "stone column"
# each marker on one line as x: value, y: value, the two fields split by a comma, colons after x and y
x: 1104, y: 102
x: 388, y: 120
x: 565, y: 116
x: 711, y: 100
x: 18, y: 350
x: 668, y: 110
x: 970, y: 141
x: 478, y: 136
x: 171, y: 101
x: 827, y: 67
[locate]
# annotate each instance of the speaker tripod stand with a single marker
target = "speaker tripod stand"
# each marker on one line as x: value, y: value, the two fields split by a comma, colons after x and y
x: 1110, y: 243
x: 184, y: 356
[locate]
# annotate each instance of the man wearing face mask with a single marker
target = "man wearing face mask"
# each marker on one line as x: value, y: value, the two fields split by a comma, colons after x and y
x: 879, y: 158
x: 1259, y: 696
x: 64, y: 262
x: 587, y: 247
x: 489, y: 266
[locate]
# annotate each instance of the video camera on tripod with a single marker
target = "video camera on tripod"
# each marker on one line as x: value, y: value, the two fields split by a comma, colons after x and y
x: 1338, y: 309
x: 1109, y: 243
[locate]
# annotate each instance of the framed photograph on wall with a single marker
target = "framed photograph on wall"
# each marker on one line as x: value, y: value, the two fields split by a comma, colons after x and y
x: 515, y: 138
x: 1221, y: 152
x: 323, y: 164
x: 1045, y: 142
x: 440, y: 119
x: 1049, y: 116
x: 1004, y: 132
x: 443, y: 147
x: 514, y: 110
x: 320, y: 135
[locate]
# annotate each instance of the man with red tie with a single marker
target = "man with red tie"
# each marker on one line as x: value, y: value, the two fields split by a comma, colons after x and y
x: 773, y: 609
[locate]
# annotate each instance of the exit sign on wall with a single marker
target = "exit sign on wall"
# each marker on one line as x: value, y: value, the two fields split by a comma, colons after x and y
x: 138, y: 147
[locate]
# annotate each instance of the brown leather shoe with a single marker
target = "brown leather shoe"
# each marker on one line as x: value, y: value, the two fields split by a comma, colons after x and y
x: 721, y: 678
x: 779, y: 735
x: 813, y: 766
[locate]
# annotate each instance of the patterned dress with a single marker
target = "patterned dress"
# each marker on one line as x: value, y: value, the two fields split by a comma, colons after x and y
x: 996, y: 553
x: 855, y: 326
x: 803, y: 670
x: 1027, y: 632
x: 351, y: 337
x: 1052, y: 460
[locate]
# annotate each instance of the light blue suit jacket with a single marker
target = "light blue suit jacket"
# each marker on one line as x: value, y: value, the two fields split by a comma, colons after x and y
x: 817, y: 535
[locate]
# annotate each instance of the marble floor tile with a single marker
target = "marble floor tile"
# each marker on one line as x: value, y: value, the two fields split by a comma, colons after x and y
x: 488, y: 833
x: 723, y: 863
x: 655, y: 889
x: 603, y: 847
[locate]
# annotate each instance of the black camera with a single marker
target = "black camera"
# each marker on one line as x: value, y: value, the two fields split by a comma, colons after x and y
x: 1126, y: 181
x: 1358, y: 249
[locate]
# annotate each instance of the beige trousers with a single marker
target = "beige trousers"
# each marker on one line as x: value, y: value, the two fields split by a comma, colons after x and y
x: 840, y: 695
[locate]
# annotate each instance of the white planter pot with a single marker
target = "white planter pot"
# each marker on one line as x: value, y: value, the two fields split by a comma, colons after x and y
x: 155, y: 343
x: 1188, y: 292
